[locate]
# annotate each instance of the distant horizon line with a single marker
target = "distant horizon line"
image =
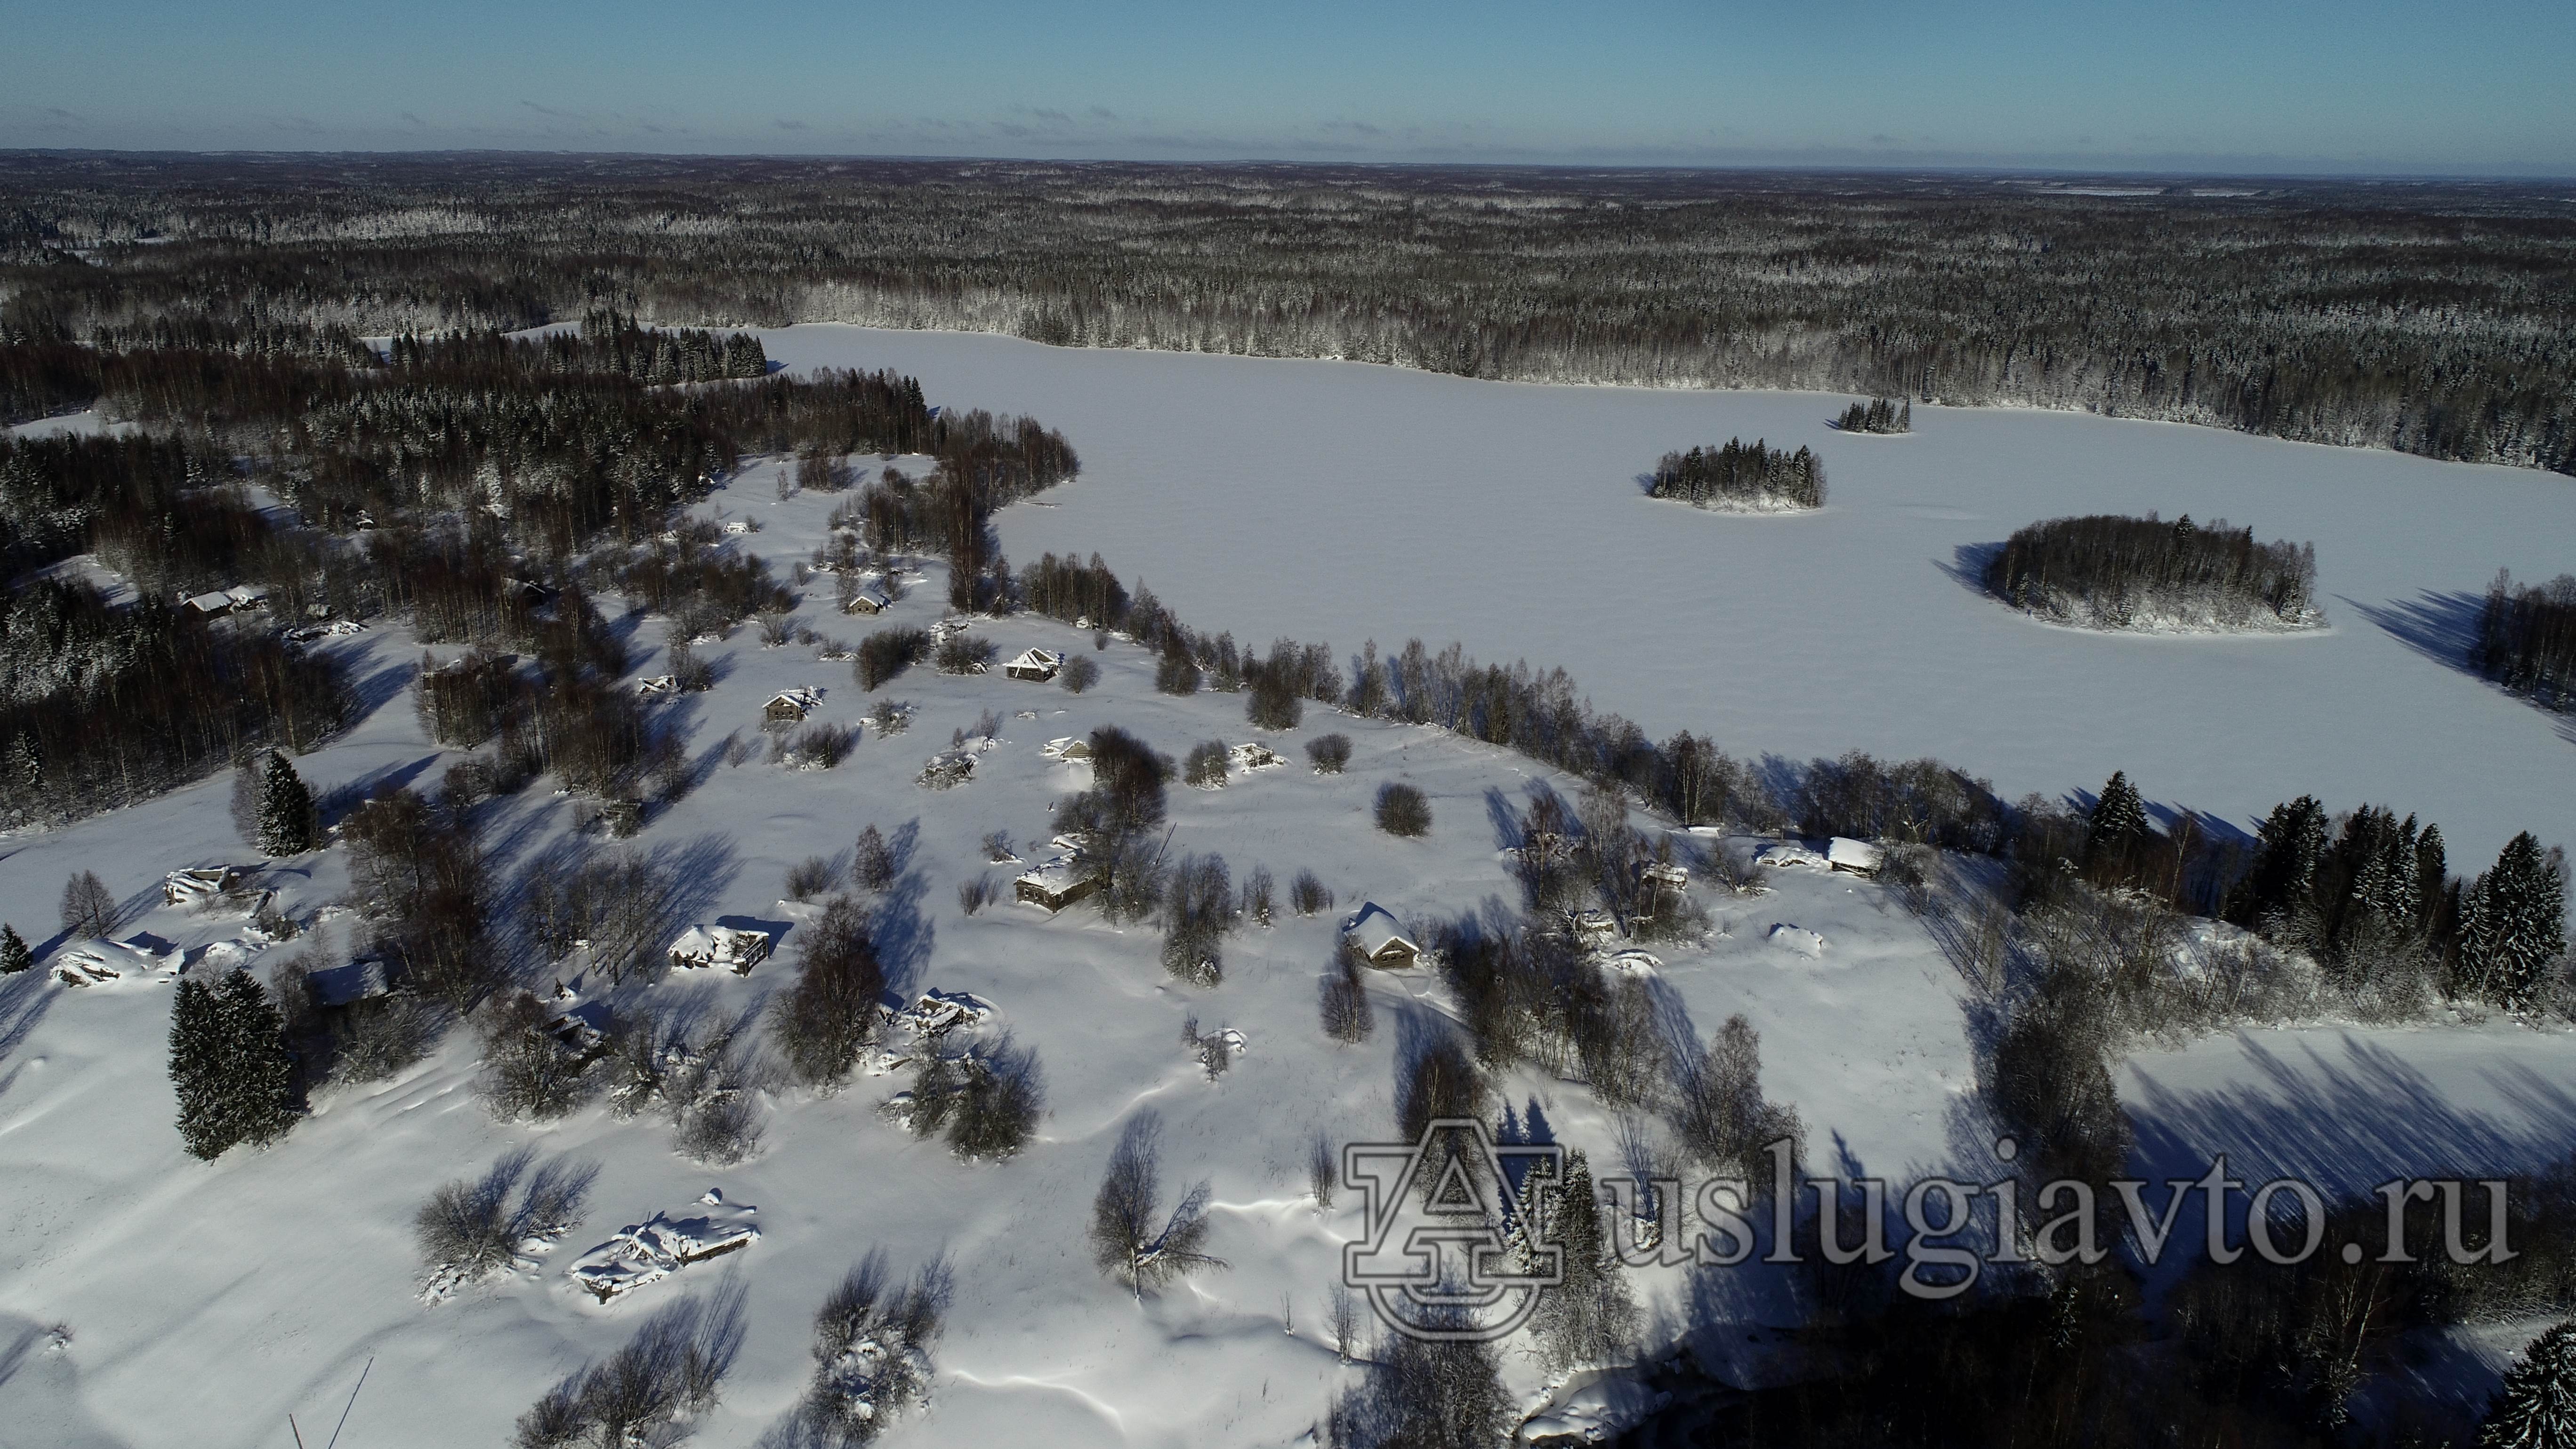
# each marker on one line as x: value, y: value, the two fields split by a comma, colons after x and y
x: 1959, y: 167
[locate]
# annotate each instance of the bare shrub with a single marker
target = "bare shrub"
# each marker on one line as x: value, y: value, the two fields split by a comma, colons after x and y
x: 811, y: 877
x: 776, y: 630
x: 1257, y: 906
x: 1402, y: 810
x: 1617, y: 1039
x: 891, y: 717
x: 1079, y: 673
x: 974, y: 893
x: 527, y: 1073
x: 987, y: 1101
x: 821, y: 1025
x: 887, y: 653
x: 997, y: 848
x: 1198, y: 910
x: 871, y: 1353
x: 1308, y: 894
x: 643, y: 1393
x: 1329, y: 753
x: 1342, y: 1319
x: 709, y: 1092
x: 1207, y: 765
x: 872, y: 862
x: 818, y: 746
x: 963, y: 653
x: 1724, y: 1122
x: 1343, y: 1003
x: 475, y: 1227
x: 1131, y: 1240
x: 1323, y: 1170
x: 1425, y: 1394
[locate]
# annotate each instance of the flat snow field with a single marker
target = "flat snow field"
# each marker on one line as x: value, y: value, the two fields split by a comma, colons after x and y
x: 1343, y: 501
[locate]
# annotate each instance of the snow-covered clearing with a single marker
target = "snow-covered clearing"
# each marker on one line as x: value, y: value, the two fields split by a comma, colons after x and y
x: 1342, y: 501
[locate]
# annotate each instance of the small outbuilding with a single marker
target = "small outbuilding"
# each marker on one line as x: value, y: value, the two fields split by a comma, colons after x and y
x: 208, y: 606
x: 1857, y: 856
x: 703, y: 947
x: 1072, y: 749
x: 1035, y: 665
x: 1059, y: 882
x: 658, y: 684
x: 1380, y: 938
x: 198, y: 885
x: 790, y: 706
x: 867, y: 599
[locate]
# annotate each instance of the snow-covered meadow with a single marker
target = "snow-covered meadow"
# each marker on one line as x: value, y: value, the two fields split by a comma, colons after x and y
x: 1342, y: 501
x: 205, y: 1303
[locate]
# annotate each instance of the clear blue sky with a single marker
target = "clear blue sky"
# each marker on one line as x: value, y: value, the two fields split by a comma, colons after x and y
x: 2405, y: 86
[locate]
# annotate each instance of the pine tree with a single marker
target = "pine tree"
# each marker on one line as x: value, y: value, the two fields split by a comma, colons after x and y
x: 2536, y: 1407
x: 14, y: 955
x: 229, y: 1065
x: 2516, y: 922
x: 285, y: 811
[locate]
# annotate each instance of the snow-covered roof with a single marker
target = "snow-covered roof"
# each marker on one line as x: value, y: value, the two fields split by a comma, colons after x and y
x: 1788, y: 853
x: 1070, y: 747
x: 246, y: 595
x: 1844, y: 853
x: 720, y: 946
x: 200, y: 883
x: 1036, y: 659
x: 1058, y: 875
x: 1375, y: 928
x: 216, y: 603
x: 804, y: 699
x: 657, y: 684
x: 653, y: 1250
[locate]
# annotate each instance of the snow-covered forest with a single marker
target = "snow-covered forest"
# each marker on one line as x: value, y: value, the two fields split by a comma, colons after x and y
x: 2110, y: 572
x: 2430, y: 318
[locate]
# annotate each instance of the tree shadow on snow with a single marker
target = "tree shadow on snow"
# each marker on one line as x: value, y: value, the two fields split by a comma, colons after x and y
x: 2443, y: 627
x: 1968, y: 565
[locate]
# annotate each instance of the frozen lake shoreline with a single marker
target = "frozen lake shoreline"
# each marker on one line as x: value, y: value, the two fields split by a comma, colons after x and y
x: 1347, y: 501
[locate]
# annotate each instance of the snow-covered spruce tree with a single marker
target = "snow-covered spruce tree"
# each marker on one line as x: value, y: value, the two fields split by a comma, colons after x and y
x: 2117, y: 826
x: 285, y: 810
x: 14, y: 955
x: 229, y: 1065
x: 1588, y: 1316
x: 2536, y: 1407
x: 2516, y: 923
x: 2291, y: 846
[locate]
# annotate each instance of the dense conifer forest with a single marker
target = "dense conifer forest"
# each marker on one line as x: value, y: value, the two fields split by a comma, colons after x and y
x: 2437, y: 319
x: 2110, y: 572
x: 1742, y: 477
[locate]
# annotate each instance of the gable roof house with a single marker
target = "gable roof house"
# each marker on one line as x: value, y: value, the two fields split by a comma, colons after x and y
x: 1035, y: 665
x: 790, y: 706
x: 1380, y: 938
x: 867, y: 599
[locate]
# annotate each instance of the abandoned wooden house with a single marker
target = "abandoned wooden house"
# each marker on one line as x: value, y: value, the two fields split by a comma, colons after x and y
x: 1059, y: 882
x: 867, y: 599
x: 1035, y: 665
x: 733, y: 948
x: 1380, y: 938
x: 1857, y: 856
x: 1072, y: 749
x: 197, y: 886
x: 790, y: 706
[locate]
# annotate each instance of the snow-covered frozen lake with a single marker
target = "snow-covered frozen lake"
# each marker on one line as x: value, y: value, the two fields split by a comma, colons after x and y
x: 1344, y: 501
